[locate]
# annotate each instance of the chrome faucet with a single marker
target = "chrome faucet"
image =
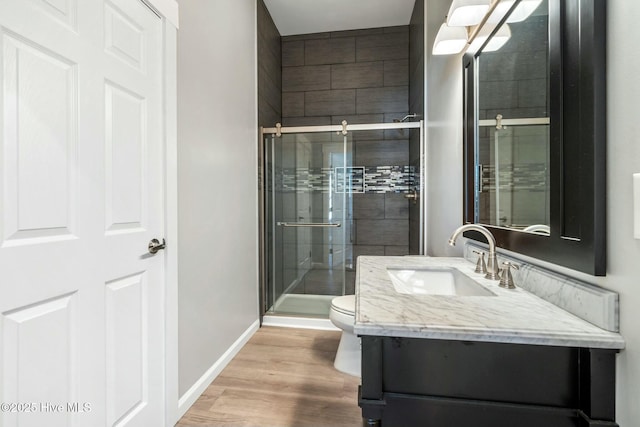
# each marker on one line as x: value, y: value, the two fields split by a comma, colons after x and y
x: 492, y: 264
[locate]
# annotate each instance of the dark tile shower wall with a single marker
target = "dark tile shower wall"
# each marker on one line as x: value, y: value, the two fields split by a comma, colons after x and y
x: 513, y: 80
x: 269, y: 69
x: 416, y: 105
x: 361, y: 76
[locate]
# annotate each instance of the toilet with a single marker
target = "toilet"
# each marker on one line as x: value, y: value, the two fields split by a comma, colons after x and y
x: 342, y: 314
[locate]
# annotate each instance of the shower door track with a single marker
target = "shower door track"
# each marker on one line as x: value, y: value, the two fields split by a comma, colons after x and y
x: 339, y: 128
x: 515, y: 122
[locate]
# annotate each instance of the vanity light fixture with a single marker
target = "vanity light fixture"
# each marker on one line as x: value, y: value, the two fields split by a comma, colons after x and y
x: 450, y: 40
x: 497, y: 41
x: 463, y: 28
x: 466, y: 13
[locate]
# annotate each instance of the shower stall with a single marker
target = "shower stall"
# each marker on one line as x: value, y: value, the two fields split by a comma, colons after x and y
x: 308, y: 181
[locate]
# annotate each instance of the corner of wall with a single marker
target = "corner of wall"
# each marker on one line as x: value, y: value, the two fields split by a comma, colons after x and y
x: 444, y: 138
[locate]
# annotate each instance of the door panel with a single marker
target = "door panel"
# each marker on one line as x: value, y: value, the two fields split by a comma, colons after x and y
x: 39, y: 142
x: 65, y: 11
x: 127, y: 333
x: 125, y: 159
x: 124, y: 38
x: 36, y: 379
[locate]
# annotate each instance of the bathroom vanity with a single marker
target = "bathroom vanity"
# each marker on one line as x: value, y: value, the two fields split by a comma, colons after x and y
x: 478, y: 357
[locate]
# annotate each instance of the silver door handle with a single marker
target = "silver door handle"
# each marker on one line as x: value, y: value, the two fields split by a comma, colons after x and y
x: 155, y: 245
x: 309, y: 224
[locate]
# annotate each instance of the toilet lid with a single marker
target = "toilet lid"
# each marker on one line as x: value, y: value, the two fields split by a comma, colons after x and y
x: 345, y: 304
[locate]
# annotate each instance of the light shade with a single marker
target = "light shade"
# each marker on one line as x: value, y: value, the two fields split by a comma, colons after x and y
x: 466, y: 13
x: 450, y: 40
x: 524, y: 9
x: 497, y: 41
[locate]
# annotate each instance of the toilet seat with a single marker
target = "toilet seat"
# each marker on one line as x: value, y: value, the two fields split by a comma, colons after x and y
x: 345, y: 305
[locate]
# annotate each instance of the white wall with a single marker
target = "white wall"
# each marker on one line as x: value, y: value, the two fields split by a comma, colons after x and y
x: 444, y: 138
x: 623, y: 159
x: 217, y: 167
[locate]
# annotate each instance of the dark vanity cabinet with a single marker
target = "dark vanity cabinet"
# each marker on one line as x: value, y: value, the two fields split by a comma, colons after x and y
x: 425, y: 382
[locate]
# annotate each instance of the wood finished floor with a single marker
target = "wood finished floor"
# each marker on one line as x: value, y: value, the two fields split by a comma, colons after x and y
x: 282, y: 377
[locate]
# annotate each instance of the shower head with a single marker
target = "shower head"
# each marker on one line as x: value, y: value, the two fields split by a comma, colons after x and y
x: 405, y: 118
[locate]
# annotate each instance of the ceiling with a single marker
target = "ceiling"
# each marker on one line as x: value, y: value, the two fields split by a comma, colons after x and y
x: 317, y: 16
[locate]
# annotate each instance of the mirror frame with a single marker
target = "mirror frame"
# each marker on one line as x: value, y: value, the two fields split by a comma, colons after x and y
x: 577, y: 106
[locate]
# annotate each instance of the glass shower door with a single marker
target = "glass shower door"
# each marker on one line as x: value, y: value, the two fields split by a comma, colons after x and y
x: 309, y: 215
x: 514, y: 185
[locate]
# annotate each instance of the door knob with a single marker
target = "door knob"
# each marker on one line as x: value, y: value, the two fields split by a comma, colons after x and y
x: 155, y: 245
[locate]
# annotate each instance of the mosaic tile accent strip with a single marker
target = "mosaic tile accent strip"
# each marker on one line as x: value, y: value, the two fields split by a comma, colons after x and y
x: 355, y: 179
x: 359, y: 179
x: 530, y: 177
x: 389, y: 179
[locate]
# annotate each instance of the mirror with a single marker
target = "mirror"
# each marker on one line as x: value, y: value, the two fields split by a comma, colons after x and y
x: 513, y: 127
x: 534, y: 149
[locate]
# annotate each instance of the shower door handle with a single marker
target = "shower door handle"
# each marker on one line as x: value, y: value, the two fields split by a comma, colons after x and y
x: 412, y: 195
x: 309, y: 224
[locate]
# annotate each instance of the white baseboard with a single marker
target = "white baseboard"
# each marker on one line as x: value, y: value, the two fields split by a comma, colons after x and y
x: 191, y: 395
x: 299, y: 322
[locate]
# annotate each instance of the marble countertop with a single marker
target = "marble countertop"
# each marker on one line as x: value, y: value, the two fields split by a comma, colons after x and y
x: 512, y: 316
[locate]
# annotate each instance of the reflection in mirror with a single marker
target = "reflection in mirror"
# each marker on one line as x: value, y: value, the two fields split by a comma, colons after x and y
x: 512, y: 188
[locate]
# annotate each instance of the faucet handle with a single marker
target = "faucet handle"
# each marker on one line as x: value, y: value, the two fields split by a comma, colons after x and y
x: 481, y: 265
x: 506, y: 279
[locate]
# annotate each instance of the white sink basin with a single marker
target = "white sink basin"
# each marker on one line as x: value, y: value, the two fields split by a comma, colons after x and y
x: 435, y: 281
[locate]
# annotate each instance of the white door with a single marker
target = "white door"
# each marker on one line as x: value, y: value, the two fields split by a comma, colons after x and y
x: 81, y: 196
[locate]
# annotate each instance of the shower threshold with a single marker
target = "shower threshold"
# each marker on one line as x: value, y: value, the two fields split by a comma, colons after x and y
x: 301, y: 311
x: 303, y: 305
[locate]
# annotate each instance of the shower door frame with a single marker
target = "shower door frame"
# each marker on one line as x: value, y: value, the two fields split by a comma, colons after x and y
x: 339, y: 129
